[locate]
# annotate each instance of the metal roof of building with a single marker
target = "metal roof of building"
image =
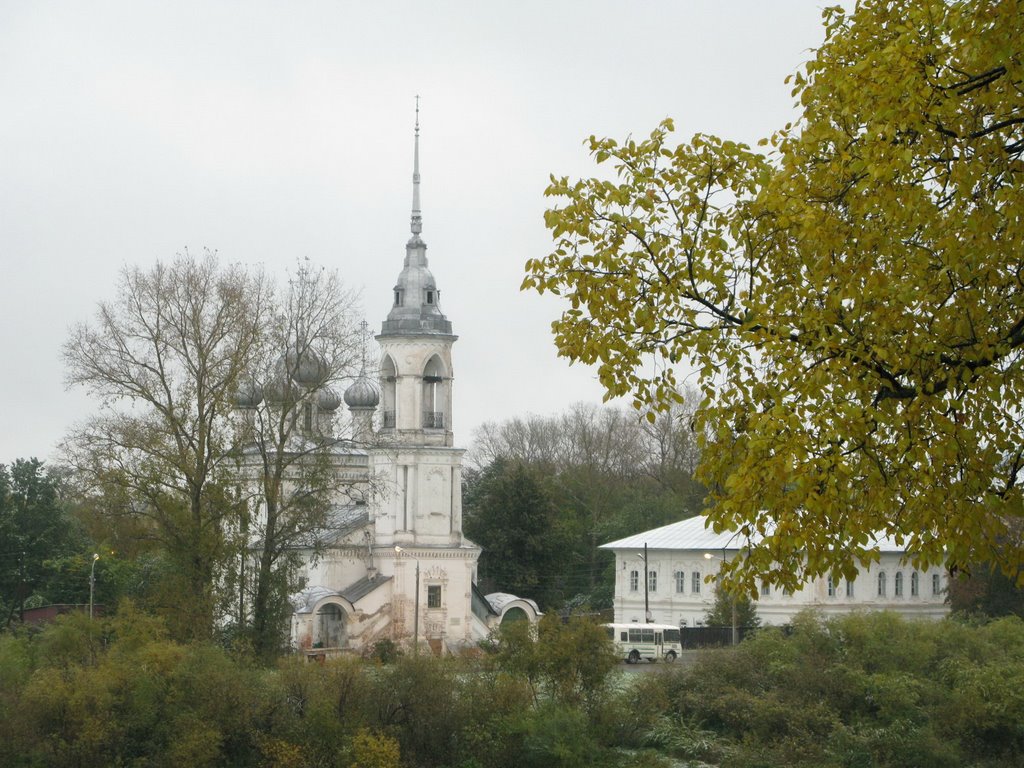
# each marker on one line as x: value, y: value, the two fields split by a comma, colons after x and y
x: 694, y: 534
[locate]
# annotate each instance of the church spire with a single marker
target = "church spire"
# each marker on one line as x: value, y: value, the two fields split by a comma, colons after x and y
x: 417, y: 300
x: 417, y: 218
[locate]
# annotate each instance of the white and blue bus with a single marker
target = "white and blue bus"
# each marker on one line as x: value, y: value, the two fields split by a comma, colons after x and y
x: 645, y: 641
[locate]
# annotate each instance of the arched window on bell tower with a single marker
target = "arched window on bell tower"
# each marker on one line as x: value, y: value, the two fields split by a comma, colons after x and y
x: 435, y: 395
x: 388, y: 382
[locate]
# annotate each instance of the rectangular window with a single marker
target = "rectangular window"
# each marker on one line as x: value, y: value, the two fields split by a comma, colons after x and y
x: 634, y: 581
x: 849, y: 588
x: 936, y: 584
x: 695, y: 583
x: 652, y: 581
x: 433, y: 596
x: 680, y: 582
x: 766, y: 589
x: 831, y: 587
x: 641, y: 635
x: 307, y: 417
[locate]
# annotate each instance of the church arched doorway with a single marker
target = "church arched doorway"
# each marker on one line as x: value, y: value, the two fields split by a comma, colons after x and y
x: 513, y: 615
x: 330, y: 627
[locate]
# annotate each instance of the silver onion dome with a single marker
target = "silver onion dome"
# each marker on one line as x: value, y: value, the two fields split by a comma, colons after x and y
x: 328, y: 400
x: 362, y: 393
x: 249, y: 394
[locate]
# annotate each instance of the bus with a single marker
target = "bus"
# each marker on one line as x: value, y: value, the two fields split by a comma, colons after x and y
x: 645, y: 641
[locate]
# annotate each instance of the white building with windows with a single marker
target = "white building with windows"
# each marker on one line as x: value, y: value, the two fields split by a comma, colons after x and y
x: 395, y: 564
x: 683, y: 558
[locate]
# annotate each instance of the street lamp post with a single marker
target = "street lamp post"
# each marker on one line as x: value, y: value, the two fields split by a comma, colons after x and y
x: 416, y: 605
x: 92, y: 581
x: 732, y: 597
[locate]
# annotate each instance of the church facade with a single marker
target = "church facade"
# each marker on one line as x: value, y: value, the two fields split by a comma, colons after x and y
x: 394, y: 563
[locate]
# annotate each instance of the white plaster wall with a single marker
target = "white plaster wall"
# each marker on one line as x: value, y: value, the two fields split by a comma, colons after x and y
x: 669, y: 606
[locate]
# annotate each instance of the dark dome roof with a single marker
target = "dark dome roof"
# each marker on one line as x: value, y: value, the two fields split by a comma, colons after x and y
x: 362, y: 393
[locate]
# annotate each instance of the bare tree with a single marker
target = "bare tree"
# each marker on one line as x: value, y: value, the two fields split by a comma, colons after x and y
x: 298, y: 462
x: 165, y: 358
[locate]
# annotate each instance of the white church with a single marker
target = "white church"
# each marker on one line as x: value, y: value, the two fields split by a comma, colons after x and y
x: 682, y: 559
x: 396, y: 565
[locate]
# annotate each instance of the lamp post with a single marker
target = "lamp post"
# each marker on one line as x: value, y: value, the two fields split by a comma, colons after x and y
x: 416, y: 604
x: 732, y: 597
x: 92, y: 581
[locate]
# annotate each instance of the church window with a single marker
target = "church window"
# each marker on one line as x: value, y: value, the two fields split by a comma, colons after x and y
x: 680, y: 582
x: 433, y: 596
x: 915, y: 584
x: 695, y: 582
x: 430, y: 297
x: 897, y: 584
x: 307, y: 417
x: 766, y: 589
x: 398, y: 298
x: 831, y: 587
x: 936, y: 584
x: 634, y: 581
x: 849, y: 588
x: 881, y: 584
x: 652, y: 581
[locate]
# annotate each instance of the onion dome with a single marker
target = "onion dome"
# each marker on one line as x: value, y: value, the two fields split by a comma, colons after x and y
x: 362, y: 393
x: 279, y: 388
x: 306, y: 367
x: 249, y: 395
x: 328, y: 400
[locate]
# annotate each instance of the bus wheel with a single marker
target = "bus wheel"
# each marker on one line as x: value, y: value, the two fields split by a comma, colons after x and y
x: 670, y: 656
x: 634, y: 657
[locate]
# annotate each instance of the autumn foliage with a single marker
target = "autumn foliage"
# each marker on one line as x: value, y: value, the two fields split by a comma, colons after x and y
x: 850, y: 294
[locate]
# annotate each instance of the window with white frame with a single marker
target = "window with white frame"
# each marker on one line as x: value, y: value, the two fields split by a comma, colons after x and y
x: 652, y: 581
x: 915, y: 584
x: 680, y: 582
x: 695, y: 582
x: 849, y: 588
x: 881, y: 584
x: 897, y: 584
x: 634, y: 581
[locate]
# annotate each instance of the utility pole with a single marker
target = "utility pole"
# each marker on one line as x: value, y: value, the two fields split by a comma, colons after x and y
x: 92, y: 581
x: 647, y: 588
x: 21, y: 587
x: 416, y: 604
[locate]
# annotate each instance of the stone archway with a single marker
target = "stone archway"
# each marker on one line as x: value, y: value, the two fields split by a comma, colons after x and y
x: 331, y: 629
x: 513, y: 615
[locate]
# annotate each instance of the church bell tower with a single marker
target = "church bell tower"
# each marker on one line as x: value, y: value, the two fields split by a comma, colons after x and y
x: 416, y: 344
x: 424, y: 469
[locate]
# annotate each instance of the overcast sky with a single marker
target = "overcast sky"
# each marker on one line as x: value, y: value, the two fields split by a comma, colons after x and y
x: 273, y: 131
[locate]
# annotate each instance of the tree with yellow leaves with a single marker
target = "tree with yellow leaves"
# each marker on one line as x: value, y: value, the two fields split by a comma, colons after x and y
x: 853, y: 300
